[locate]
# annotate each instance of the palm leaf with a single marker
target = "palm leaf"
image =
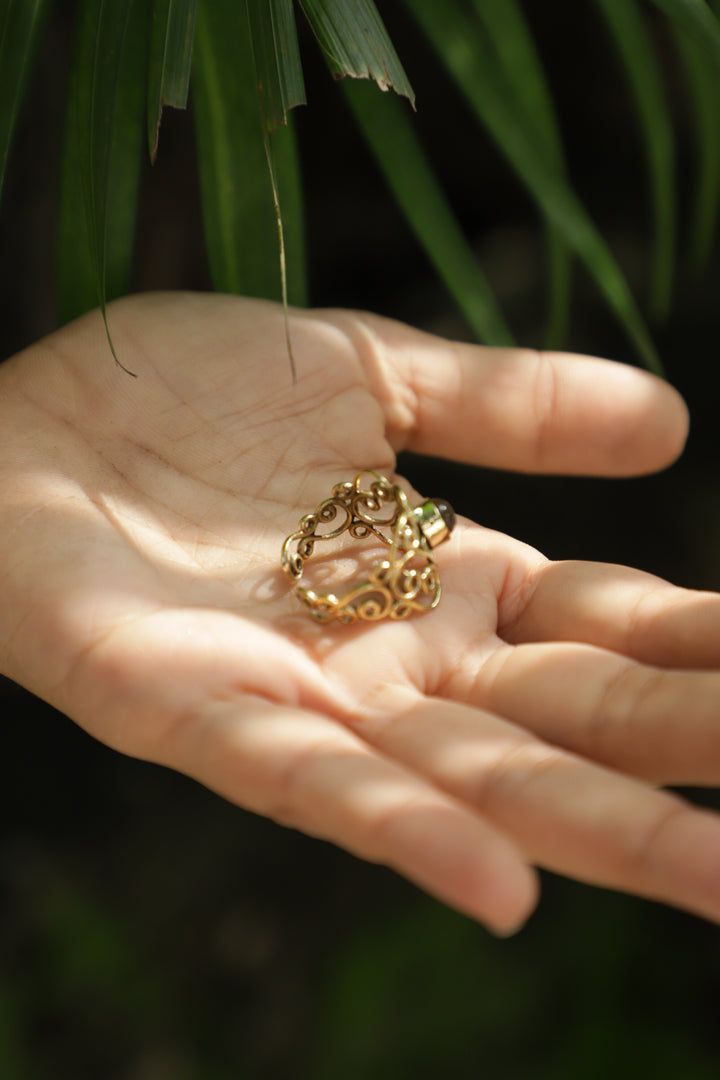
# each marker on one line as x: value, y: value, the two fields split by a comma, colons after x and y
x: 355, y: 42
x: 20, y: 24
x: 277, y: 59
x: 698, y: 22
x: 387, y: 129
x: 630, y: 34
x: 237, y: 199
x: 512, y: 40
x: 704, y: 85
x: 170, y: 62
x: 101, y: 155
x: 476, y: 71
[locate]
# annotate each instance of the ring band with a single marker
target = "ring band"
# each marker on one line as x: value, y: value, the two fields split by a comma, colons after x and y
x: 404, y: 582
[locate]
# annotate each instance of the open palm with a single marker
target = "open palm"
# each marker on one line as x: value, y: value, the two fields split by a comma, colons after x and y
x: 528, y: 720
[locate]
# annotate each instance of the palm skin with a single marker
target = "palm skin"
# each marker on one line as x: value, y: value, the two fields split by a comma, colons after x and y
x: 528, y: 720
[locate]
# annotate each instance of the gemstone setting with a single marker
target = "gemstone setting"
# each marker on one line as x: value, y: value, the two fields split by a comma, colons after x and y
x: 436, y: 519
x: 446, y: 513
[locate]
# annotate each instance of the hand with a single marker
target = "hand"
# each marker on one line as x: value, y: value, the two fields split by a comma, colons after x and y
x: 526, y: 721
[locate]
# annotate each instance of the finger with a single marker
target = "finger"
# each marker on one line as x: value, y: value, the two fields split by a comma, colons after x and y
x: 566, y: 814
x: 618, y: 608
x: 517, y: 408
x: 304, y: 770
x: 657, y: 724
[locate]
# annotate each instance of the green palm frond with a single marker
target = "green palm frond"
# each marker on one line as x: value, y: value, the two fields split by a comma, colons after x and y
x: 278, y: 67
x: 481, y: 79
x: 353, y: 38
x: 635, y: 47
x: 696, y: 19
x: 101, y: 155
x: 703, y: 79
x: 169, y: 61
x: 20, y: 25
x: 133, y: 58
x: 237, y: 199
x: 389, y: 132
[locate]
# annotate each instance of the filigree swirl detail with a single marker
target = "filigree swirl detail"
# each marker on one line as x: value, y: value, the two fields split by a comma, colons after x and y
x: 402, y: 583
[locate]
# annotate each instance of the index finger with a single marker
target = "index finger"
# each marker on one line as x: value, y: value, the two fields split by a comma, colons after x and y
x: 519, y: 409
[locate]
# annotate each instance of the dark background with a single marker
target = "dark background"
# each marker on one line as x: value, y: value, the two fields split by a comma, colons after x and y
x: 151, y: 931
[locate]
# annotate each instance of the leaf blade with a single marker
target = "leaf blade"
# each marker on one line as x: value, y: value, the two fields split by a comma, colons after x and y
x: 476, y: 72
x: 511, y: 37
x: 355, y: 42
x: 696, y: 18
x: 510, y: 34
x: 397, y: 150
x: 170, y: 61
x: 20, y: 27
x: 102, y: 145
x: 703, y: 81
x: 238, y: 213
x: 635, y: 48
x: 277, y: 59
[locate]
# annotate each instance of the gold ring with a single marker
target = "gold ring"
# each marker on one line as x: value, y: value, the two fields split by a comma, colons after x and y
x: 406, y: 581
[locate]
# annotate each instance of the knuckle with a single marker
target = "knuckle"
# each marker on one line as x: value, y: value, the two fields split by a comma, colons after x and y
x: 644, y: 853
x: 380, y: 827
x: 623, y: 698
x: 509, y: 778
x: 545, y: 403
x: 287, y: 792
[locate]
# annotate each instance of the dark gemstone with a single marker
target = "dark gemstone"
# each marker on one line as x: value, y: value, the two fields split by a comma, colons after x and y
x: 446, y: 513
